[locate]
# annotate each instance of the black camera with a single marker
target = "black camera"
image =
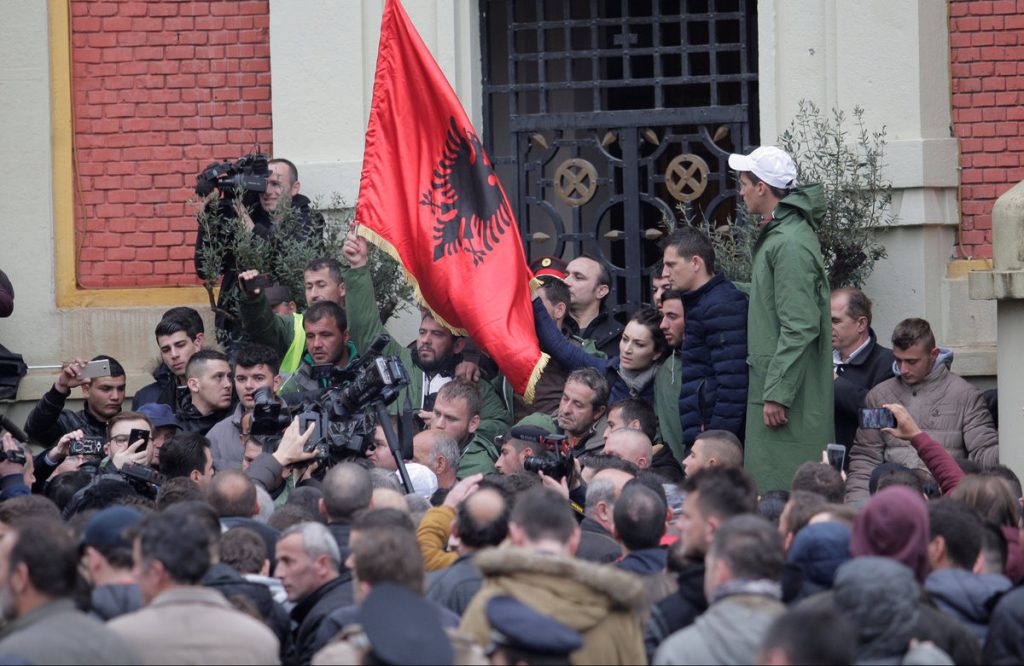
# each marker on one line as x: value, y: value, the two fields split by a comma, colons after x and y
x: 87, y: 446
x: 145, y: 480
x: 555, y: 458
x: 247, y: 174
x: 267, y: 416
x: 344, y: 415
x: 14, y: 456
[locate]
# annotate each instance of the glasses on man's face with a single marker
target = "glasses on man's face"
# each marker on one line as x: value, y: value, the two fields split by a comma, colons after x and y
x: 119, y: 439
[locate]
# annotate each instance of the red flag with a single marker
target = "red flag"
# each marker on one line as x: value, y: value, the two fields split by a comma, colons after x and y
x: 429, y: 197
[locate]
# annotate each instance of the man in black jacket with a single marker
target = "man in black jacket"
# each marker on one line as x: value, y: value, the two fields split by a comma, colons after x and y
x: 713, y: 495
x: 714, y: 348
x: 282, y: 193
x: 347, y: 490
x: 858, y: 361
x: 49, y: 421
x: 589, y: 284
x: 309, y: 565
x: 180, y: 333
x: 210, y: 392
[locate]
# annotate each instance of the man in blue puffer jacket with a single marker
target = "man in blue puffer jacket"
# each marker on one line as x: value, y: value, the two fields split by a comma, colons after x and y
x: 714, y: 391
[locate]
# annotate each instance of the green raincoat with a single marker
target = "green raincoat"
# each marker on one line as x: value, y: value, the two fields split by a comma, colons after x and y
x: 789, y: 342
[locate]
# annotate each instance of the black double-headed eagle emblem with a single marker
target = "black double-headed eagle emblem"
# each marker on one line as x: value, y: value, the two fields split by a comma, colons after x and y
x: 470, y: 208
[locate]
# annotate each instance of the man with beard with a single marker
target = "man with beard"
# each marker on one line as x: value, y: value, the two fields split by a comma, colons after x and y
x: 430, y: 363
x: 581, y: 414
x: 38, y: 571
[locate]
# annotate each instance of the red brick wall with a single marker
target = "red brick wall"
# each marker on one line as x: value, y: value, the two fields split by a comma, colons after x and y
x: 987, y: 54
x: 160, y: 89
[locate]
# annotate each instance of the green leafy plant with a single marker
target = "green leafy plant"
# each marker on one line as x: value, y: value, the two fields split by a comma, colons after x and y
x: 284, y: 256
x: 849, y: 164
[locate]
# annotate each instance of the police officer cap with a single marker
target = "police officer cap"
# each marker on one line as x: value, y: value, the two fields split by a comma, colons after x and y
x: 529, y: 433
x: 516, y: 625
x: 403, y: 627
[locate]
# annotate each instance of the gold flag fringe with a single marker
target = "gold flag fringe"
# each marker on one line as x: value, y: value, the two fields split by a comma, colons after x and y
x: 385, y: 246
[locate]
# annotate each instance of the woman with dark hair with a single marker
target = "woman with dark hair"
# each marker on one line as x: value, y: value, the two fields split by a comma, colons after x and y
x: 631, y: 373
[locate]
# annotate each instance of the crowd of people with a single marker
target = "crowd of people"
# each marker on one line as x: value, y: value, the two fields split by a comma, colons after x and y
x: 738, y: 474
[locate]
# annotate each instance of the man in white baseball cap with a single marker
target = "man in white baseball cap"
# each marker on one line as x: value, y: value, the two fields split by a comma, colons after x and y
x: 789, y: 334
x: 770, y: 174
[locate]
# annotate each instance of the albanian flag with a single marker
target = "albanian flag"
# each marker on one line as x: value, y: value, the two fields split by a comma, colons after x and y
x: 429, y: 197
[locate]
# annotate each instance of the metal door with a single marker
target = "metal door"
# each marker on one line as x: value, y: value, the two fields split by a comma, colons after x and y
x: 606, y: 120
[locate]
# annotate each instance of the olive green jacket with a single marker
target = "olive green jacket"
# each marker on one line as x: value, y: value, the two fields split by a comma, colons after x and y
x: 789, y: 342
x: 364, y: 326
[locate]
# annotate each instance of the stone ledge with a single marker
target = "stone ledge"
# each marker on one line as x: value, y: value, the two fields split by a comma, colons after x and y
x: 996, y: 285
x: 978, y: 360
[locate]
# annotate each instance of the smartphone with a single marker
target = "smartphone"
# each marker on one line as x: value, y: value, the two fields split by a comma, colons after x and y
x: 136, y: 434
x: 94, y: 369
x: 836, y: 455
x: 877, y: 418
x: 261, y: 281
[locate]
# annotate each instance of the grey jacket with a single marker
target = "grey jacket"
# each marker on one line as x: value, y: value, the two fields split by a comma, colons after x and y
x: 729, y: 632
x: 226, y: 441
x: 57, y: 633
x: 455, y: 586
x: 945, y: 406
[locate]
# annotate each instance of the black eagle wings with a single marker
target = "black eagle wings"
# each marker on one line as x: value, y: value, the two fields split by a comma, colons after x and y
x: 471, y: 210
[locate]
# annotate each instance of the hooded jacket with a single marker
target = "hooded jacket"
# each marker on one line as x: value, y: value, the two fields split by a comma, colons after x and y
x: 601, y: 603
x: 677, y: 610
x: 110, y: 601
x: 729, y: 632
x: 789, y: 342
x: 944, y: 405
x: 162, y: 390
x: 967, y: 596
x: 714, y: 393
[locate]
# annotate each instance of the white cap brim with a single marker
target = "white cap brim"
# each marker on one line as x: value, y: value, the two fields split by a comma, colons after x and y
x: 740, y: 163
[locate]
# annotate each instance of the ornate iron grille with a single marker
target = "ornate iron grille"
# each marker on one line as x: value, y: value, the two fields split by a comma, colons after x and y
x: 604, y: 118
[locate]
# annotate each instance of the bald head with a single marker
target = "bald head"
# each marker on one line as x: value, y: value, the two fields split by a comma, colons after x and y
x: 481, y: 520
x: 347, y: 489
x: 232, y: 493
x: 629, y: 444
x: 386, y: 498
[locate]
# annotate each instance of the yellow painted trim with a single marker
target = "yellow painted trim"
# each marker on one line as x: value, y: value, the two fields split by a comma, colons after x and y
x: 959, y: 268
x: 69, y: 294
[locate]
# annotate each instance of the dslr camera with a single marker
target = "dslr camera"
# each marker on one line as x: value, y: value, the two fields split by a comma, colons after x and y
x: 246, y: 174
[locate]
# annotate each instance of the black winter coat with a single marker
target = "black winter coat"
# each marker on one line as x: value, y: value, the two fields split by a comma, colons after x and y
x: 864, y: 371
x: 714, y: 391
x: 309, y: 613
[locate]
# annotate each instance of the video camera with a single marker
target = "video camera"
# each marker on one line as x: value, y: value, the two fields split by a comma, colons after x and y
x: 344, y: 414
x: 555, y: 458
x: 247, y: 174
x: 145, y: 480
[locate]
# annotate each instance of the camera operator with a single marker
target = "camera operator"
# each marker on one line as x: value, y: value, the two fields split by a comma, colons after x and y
x: 259, y: 214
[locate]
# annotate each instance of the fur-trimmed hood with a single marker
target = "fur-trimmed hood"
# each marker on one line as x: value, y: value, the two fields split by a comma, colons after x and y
x: 577, y: 592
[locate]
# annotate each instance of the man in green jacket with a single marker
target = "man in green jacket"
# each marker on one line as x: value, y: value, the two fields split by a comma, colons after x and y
x: 430, y: 363
x: 789, y: 398
x: 284, y: 333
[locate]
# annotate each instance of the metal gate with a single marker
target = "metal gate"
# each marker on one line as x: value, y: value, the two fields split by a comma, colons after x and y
x: 605, y: 119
